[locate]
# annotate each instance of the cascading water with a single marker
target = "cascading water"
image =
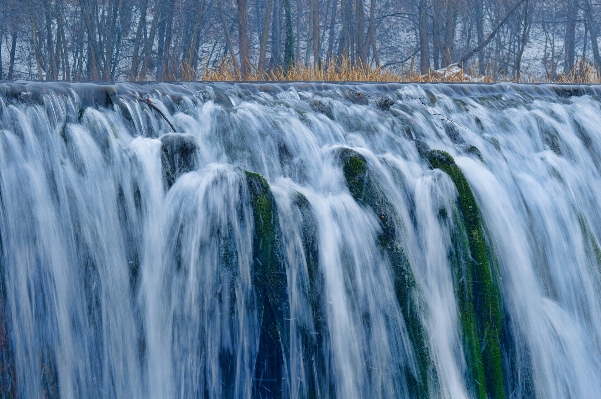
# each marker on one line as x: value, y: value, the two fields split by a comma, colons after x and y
x: 300, y: 241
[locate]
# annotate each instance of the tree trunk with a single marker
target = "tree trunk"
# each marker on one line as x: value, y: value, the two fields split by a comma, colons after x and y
x: 289, y: 47
x: 161, y: 34
x: 62, y: 51
x: 299, y: 12
x: 424, y: 59
x: 243, y: 39
x: 13, y: 52
x: 348, y: 19
x: 449, y: 34
x: 494, y: 32
x: 36, y: 49
x: 167, y: 73
x: 192, y: 56
x: 133, y: 73
x: 480, y: 34
x: 309, y: 32
x: 51, y: 73
x: 265, y: 36
x: 584, y: 41
x: 276, y: 58
x: 95, y: 58
x: 149, y: 43
x: 228, y: 39
x: 360, y: 33
x: 436, y: 38
x: 371, y: 37
x: 331, y: 33
x: 1, y: 66
x: 343, y: 49
x: 593, y: 34
x: 570, y: 38
x: 110, y: 35
x: 523, y: 41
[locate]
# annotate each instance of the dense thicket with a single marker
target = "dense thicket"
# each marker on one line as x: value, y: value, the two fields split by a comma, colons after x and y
x: 181, y: 39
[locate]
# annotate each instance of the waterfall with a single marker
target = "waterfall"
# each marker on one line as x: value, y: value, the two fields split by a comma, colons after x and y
x: 230, y: 240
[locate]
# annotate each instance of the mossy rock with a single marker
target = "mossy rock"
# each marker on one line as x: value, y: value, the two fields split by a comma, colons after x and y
x: 475, y: 152
x: 366, y: 192
x: 356, y: 97
x: 314, y: 338
x: 477, y: 286
x: 384, y: 103
x: 269, y: 278
x: 322, y: 108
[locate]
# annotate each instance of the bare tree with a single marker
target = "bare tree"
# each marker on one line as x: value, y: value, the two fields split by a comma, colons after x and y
x: 570, y: 34
x: 424, y: 39
x: 593, y: 34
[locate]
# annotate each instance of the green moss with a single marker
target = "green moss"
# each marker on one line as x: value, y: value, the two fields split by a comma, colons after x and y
x: 367, y: 192
x: 269, y: 279
x: 462, y: 272
x: 266, y: 265
x: 355, y: 173
x: 478, y: 287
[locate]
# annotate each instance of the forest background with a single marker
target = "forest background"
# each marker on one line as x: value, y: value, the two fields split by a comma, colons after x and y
x: 169, y: 40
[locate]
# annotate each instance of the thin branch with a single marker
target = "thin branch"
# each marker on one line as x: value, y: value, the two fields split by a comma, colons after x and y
x: 492, y: 34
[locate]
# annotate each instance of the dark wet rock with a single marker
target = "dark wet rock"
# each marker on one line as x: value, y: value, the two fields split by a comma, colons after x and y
x: 431, y: 96
x: 322, y: 108
x: 178, y: 156
x: 367, y: 192
x: 569, y: 91
x: 472, y: 151
x: 477, y: 286
x: 269, y: 278
x: 479, y: 124
x: 549, y: 135
x: 356, y: 97
x: 98, y: 96
x: 315, y: 336
x: 452, y: 131
x: 384, y: 104
x: 422, y: 148
x: 222, y: 98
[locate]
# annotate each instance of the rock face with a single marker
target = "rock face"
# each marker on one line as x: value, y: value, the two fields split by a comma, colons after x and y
x: 269, y: 278
x: 477, y: 286
x: 366, y: 191
x: 178, y: 156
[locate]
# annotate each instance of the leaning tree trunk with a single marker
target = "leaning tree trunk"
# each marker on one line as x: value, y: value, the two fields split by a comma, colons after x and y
x: 228, y: 39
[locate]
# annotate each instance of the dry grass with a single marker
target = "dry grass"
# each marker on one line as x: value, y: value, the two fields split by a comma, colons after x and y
x: 344, y: 71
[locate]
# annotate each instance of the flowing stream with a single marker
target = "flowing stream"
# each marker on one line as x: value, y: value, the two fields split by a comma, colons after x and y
x: 300, y: 241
